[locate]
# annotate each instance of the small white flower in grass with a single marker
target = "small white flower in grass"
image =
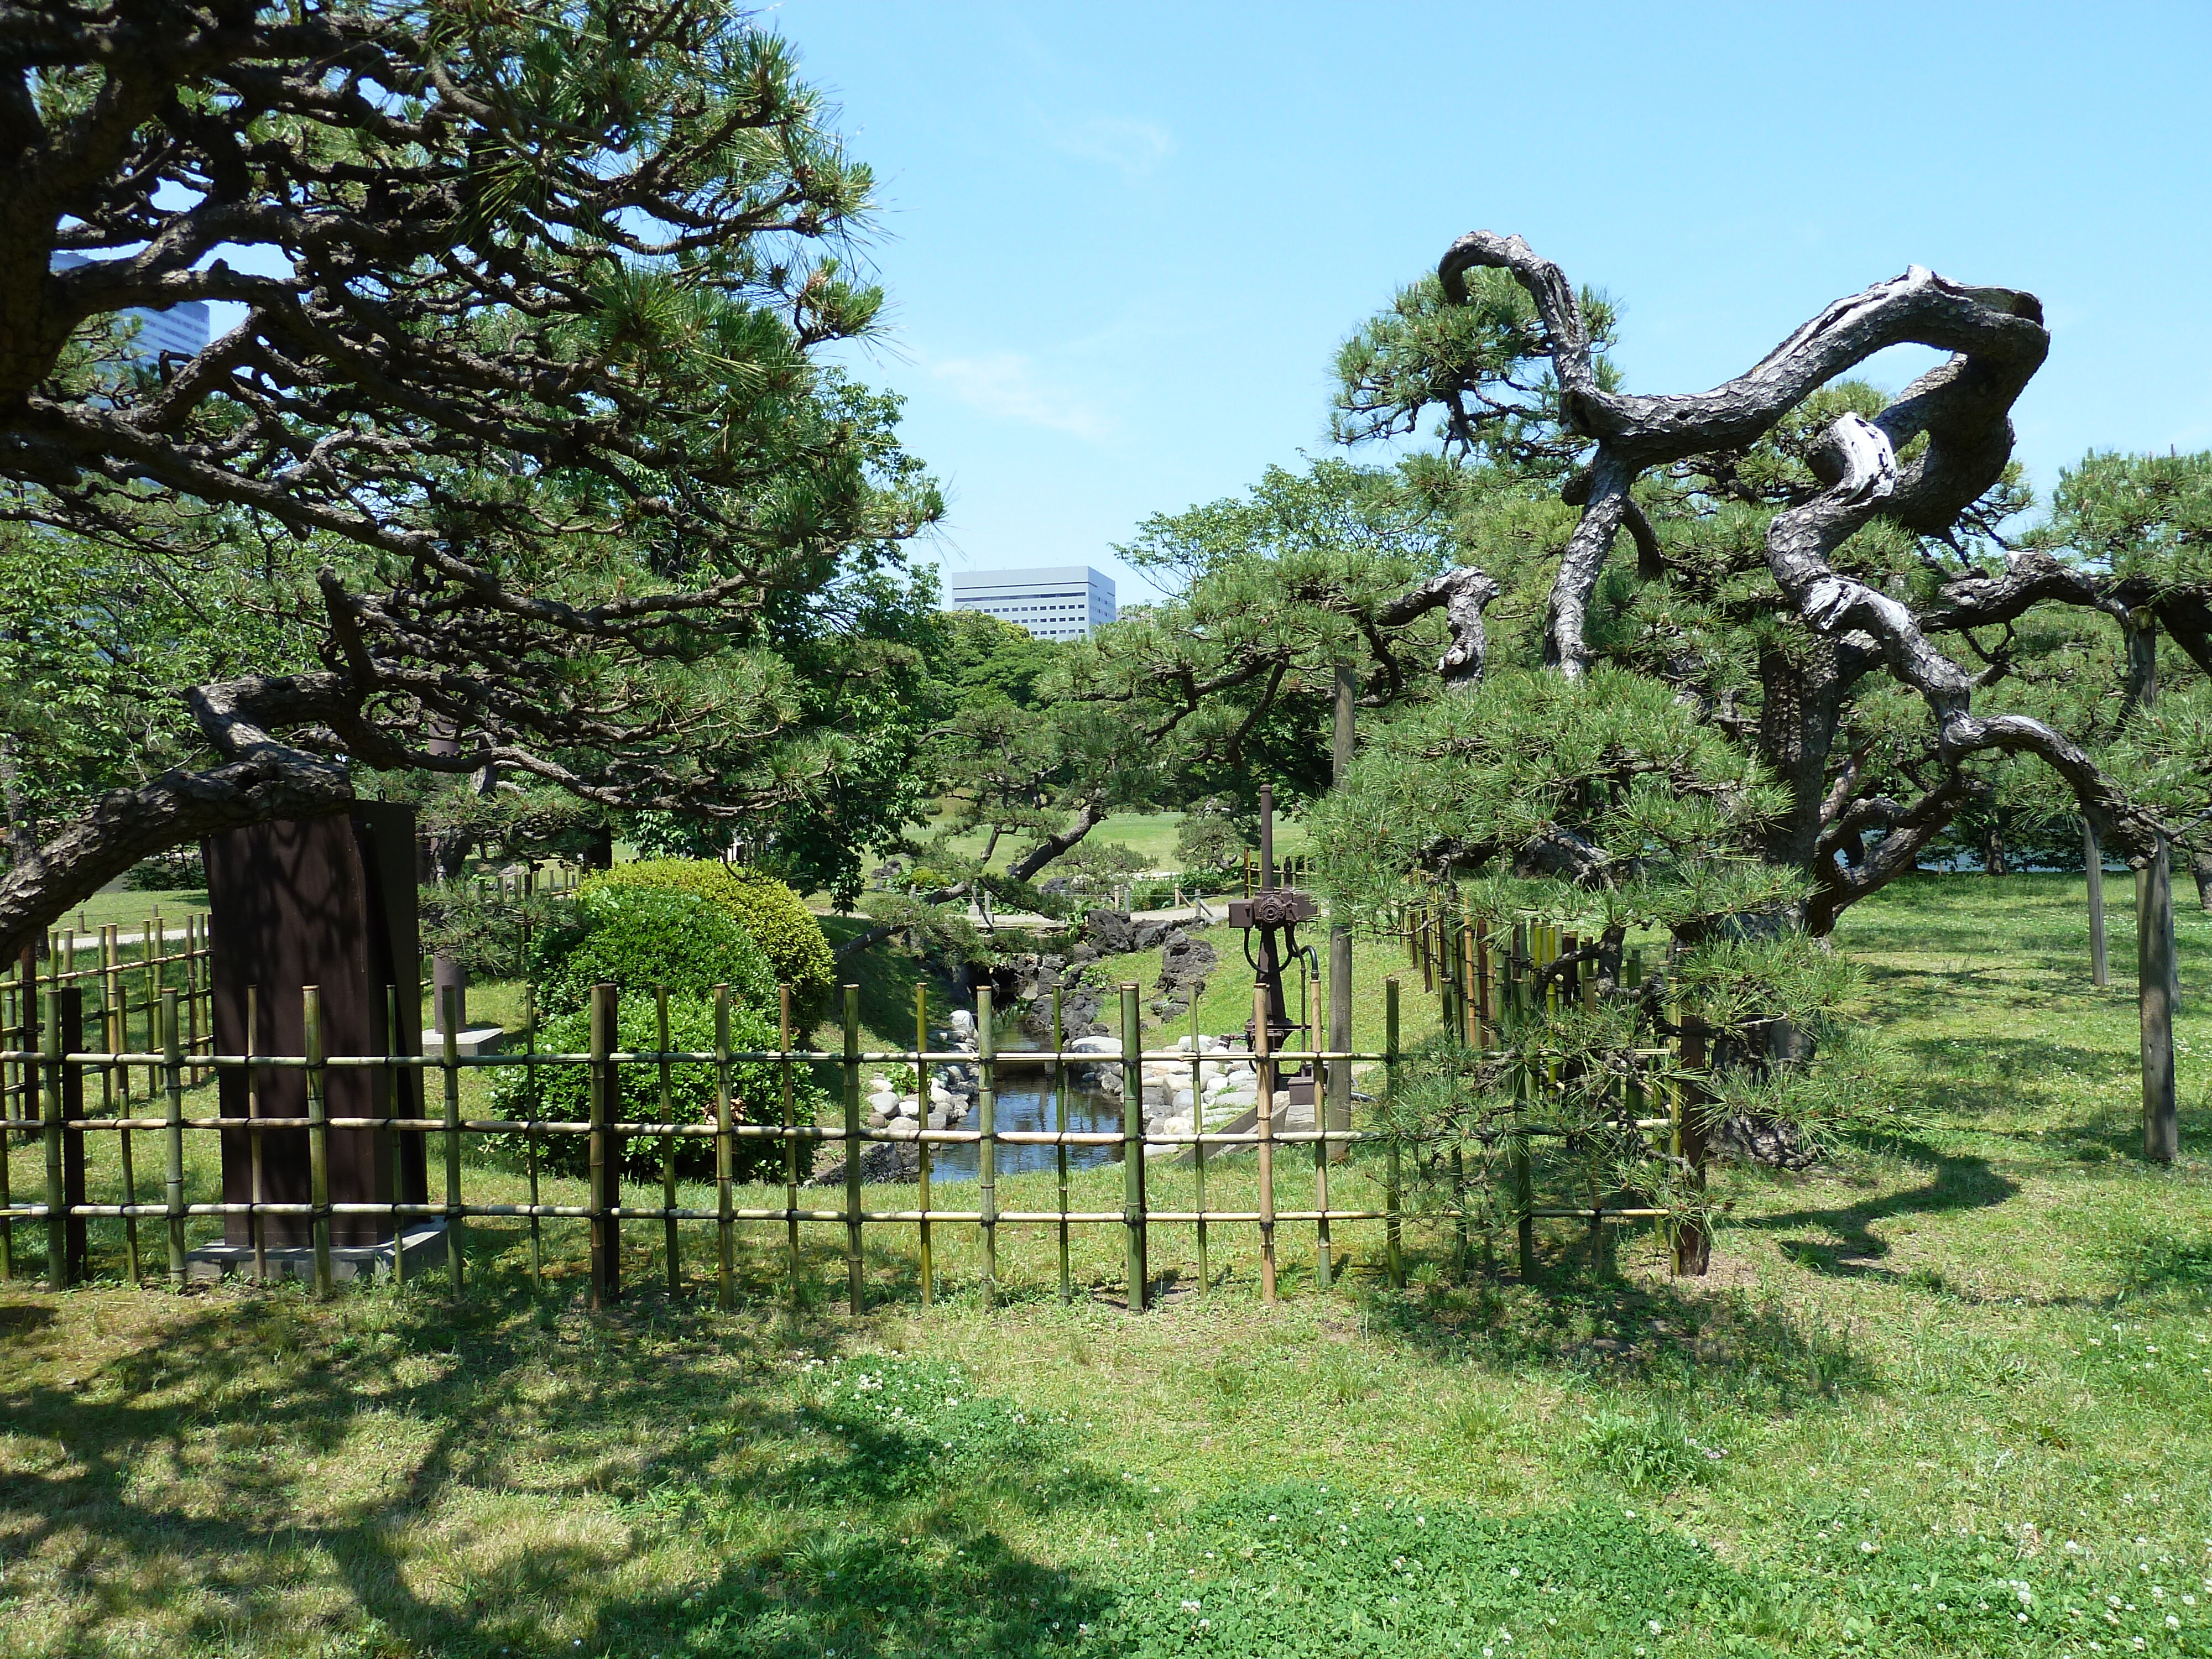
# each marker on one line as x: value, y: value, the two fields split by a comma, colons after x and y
x: 2172, y: 1622
x: 1867, y: 1546
x: 1653, y: 1626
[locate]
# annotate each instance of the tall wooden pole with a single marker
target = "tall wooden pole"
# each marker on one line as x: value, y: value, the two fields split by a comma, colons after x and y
x: 2154, y: 1000
x: 1340, y: 938
x: 2092, y: 860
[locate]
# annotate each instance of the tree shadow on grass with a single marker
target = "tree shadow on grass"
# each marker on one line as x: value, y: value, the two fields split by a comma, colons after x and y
x: 524, y: 1454
x: 1957, y: 1181
x: 1675, y: 1336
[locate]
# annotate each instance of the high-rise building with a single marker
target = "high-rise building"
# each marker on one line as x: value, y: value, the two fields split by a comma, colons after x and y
x: 180, y: 329
x: 1057, y: 602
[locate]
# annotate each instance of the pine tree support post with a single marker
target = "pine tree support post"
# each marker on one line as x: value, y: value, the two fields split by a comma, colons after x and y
x: 2154, y: 1003
x: 173, y: 1181
x: 2092, y: 862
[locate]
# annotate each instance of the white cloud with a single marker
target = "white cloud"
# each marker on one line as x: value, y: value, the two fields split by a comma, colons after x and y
x: 1133, y: 147
x: 1005, y: 384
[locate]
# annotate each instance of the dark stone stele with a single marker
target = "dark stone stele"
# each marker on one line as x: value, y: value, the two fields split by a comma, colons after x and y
x: 328, y: 902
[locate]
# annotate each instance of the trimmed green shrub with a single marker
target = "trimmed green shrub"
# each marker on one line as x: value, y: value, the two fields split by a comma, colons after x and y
x: 640, y: 936
x: 563, y: 1093
x: 775, y: 917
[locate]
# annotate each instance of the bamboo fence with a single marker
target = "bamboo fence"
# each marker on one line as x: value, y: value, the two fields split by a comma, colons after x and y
x: 130, y: 1087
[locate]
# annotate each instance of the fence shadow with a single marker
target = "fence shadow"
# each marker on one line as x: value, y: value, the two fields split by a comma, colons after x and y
x: 274, y: 1453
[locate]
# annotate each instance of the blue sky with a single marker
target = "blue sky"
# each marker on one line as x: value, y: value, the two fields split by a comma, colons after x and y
x: 1122, y: 242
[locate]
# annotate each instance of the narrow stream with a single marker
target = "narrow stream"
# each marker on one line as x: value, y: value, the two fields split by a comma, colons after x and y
x: 1025, y: 1103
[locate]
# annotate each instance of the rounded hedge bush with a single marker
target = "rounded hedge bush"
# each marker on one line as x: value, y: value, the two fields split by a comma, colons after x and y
x: 642, y: 937
x: 563, y: 1093
x: 775, y: 917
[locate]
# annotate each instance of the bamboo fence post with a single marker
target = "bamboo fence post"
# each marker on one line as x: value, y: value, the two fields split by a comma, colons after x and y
x: 318, y: 1147
x: 115, y: 1090
x: 150, y: 935
x: 986, y: 1119
x: 922, y: 1142
x: 606, y: 1099
x: 790, y: 1141
x: 191, y: 985
x: 1693, y: 1243
x: 450, y: 1060
x: 393, y: 1095
x: 856, y: 1267
x: 21, y: 1033
x: 1198, y: 1143
x: 1470, y: 1006
x: 49, y: 1080
x: 173, y: 1177
x: 1264, y: 1067
x: 1393, y: 1258
x: 1486, y: 1012
x: 726, y: 1289
x: 75, y: 1038
x: 1324, y: 1251
x: 1060, y: 1149
x: 667, y: 1146
x: 256, y: 1223
x: 1133, y: 1148
x: 530, y: 1132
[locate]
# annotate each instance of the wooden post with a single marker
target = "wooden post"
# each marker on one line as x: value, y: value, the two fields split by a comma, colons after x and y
x: 530, y: 1134
x: 50, y: 1127
x: 115, y: 1086
x: 1060, y: 1150
x: 1693, y: 1242
x: 987, y: 1120
x: 1133, y: 1148
x: 450, y: 1060
x: 1198, y: 1144
x: 1264, y: 1066
x: 257, y: 1188
x: 790, y: 1141
x: 605, y: 1154
x: 172, y: 1078
x: 855, y: 1265
x: 2154, y: 1003
x: 668, y: 1240
x: 921, y: 1144
x: 319, y: 1144
x: 726, y: 1289
x: 2093, y: 861
x: 1393, y: 1177
x: 74, y: 1038
x: 392, y: 1029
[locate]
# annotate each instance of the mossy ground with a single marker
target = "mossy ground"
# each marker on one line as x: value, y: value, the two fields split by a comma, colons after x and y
x: 1949, y: 1394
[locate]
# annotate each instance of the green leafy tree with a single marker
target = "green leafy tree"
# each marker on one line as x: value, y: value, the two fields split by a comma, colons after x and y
x: 531, y: 429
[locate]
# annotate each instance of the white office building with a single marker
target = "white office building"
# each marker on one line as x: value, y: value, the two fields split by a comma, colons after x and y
x: 1058, y: 602
x: 180, y: 329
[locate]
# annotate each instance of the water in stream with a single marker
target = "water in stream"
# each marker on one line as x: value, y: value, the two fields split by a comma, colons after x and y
x: 1025, y: 1103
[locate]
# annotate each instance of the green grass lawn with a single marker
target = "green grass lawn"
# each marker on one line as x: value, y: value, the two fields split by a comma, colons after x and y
x: 1949, y: 1394
x: 1150, y: 835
